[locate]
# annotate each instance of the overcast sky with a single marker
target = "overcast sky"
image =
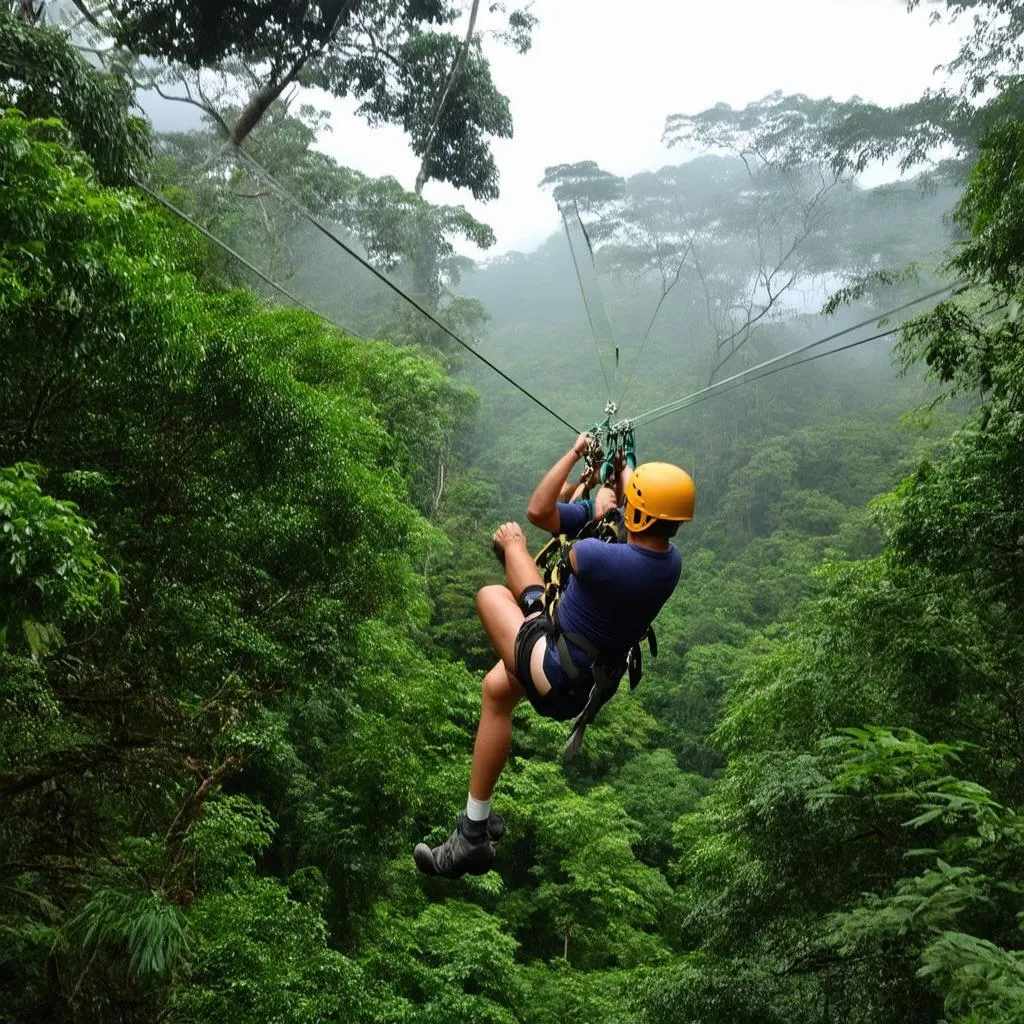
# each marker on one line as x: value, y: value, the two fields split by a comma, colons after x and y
x: 602, y: 77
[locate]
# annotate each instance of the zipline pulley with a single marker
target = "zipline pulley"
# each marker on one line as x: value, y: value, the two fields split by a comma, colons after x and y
x: 610, y: 438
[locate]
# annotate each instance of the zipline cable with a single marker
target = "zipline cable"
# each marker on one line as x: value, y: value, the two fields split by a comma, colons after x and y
x: 221, y: 244
x: 721, y: 387
x: 298, y: 302
x: 369, y: 266
x: 654, y: 317
x: 598, y: 310
x: 649, y: 416
x: 700, y: 396
x: 323, y: 229
x: 718, y: 386
x: 800, y: 362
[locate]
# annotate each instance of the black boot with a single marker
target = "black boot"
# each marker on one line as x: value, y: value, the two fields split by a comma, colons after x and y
x: 466, y: 851
x: 495, y: 826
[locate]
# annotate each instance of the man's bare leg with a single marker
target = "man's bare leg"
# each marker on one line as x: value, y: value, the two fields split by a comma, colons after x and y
x: 502, y: 618
x: 501, y: 693
x: 467, y: 849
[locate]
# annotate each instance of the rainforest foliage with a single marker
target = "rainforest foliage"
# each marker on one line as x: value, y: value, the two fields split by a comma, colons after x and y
x: 239, y: 662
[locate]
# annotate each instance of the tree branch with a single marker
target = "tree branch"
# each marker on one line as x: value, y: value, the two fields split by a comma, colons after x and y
x: 30, y: 11
x: 262, y: 100
x: 194, y: 804
x: 460, y: 60
x: 89, y: 16
x: 440, y: 484
x: 42, y: 400
x: 71, y: 762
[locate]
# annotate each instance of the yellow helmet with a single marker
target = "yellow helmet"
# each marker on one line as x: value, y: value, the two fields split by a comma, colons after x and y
x: 658, y: 490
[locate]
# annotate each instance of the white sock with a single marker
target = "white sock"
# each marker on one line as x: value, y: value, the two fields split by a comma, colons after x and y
x: 477, y: 810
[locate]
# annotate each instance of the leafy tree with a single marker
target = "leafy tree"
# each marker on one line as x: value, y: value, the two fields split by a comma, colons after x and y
x: 982, y: 92
x: 53, y: 573
x: 558, y: 992
x: 594, y: 903
x: 655, y: 793
x: 397, y: 60
x: 934, y: 912
x: 402, y: 235
x: 451, y: 960
x: 43, y: 77
x: 729, y: 242
x: 247, y: 473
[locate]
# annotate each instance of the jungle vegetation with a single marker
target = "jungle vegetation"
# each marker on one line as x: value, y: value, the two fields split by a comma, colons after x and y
x: 239, y: 662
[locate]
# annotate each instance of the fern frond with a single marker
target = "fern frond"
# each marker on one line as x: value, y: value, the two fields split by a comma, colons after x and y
x: 152, y: 931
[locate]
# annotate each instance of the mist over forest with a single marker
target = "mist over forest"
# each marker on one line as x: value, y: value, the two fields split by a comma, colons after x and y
x: 261, y: 413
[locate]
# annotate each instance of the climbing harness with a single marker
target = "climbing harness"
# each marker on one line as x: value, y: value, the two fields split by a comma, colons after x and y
x: 556, y: 569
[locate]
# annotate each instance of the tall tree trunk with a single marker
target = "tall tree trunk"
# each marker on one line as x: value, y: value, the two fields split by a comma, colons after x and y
x: 421, y: 178
x: 260, y: 102
x: 31, y: 11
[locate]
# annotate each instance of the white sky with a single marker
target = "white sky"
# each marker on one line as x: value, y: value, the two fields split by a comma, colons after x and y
x: 602, y: 77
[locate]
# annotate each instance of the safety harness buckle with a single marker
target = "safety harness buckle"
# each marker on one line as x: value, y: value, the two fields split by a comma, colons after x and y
x: 531, y: 601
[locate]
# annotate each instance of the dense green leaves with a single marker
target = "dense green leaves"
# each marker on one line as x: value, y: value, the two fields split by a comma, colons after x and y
x: 396, y: 59
x: 238, y: 550
x: 43, y: 76
x: 150, y: 931
x: 992, y: 208
x: 52, y: 571
x: 412, y: 241
x: 248, y: 473
x: 258, y: 955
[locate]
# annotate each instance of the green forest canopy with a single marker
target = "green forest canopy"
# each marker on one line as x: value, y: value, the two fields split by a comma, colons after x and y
x: 239, y: 663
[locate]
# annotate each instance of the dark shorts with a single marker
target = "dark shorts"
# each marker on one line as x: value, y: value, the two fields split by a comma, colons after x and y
x: 561, y: 702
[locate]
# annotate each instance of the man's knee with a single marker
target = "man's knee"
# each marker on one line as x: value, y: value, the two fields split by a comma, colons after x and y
x: 498, y: 692
x: 494, y: 682
x: 487, y: 597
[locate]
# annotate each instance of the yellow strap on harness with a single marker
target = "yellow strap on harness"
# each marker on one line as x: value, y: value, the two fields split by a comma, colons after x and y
x: 553, y: 560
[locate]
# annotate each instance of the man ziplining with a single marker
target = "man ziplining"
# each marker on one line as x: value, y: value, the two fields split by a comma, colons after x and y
x: 559, y: 661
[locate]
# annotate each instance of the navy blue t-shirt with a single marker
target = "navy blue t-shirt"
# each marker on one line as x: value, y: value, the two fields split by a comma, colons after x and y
x: 614, y: 595
x: 574, y: 515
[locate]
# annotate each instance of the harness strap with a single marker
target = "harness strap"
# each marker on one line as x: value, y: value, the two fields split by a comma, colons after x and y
x: 557, y: 569
x: 606, y: 682
x: 562, y: 641
x: 635, y: 657
x: 600, y: 693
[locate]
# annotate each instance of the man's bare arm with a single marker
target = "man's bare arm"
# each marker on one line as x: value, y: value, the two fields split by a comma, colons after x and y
x: 543, y: 508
